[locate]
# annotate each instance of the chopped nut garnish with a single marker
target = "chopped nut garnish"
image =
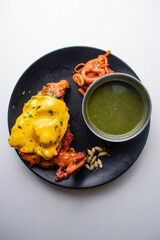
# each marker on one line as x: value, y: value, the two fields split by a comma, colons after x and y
x: 99, y: 149
x: 102, y: 154
x: 100, y: 163
x: 90, y: 153
x: 96, y: 165
x: 93, y: 150
x: 87, y: 166
x: 92, y: 167
x: 89, y: 158
x: 93, y: 160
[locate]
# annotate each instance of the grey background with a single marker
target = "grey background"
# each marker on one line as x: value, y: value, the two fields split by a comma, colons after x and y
x: 125, y: 209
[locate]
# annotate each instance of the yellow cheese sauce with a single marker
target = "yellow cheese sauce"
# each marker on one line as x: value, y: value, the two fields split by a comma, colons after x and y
x: 41, y: 126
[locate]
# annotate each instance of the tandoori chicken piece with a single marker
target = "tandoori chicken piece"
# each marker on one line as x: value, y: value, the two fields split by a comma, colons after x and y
x: 67, y: 161
x: 56, y: 90
x: 69, y: 164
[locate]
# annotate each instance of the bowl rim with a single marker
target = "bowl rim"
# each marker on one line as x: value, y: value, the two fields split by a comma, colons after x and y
x: 110, y: 77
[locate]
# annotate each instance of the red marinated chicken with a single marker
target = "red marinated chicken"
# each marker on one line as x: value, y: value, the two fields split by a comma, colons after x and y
x: 67, y: 161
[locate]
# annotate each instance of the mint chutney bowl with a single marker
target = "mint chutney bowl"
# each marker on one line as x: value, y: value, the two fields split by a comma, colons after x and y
x: 116, y: 107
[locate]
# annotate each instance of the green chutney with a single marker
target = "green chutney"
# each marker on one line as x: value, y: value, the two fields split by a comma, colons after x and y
x: 115, y: 108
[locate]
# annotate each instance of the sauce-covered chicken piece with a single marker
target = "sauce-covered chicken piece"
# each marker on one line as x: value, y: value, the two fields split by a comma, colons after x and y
x: 41, y: 132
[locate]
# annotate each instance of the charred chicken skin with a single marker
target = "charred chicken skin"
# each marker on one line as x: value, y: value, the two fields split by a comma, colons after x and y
x: 67, y: 161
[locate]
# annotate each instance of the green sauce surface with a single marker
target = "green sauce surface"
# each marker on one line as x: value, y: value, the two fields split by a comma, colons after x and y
x: 115, y: 108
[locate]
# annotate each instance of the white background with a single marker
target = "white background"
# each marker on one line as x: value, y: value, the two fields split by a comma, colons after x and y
x: 125, y: 209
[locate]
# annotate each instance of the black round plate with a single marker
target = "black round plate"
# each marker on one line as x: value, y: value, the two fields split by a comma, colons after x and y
x: 54, y: 67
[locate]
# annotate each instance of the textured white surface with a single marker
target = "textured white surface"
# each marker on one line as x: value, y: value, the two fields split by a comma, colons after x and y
x: 125, y: 209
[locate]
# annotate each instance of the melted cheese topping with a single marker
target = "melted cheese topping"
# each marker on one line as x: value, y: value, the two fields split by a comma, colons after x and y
x: 41, y: 126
